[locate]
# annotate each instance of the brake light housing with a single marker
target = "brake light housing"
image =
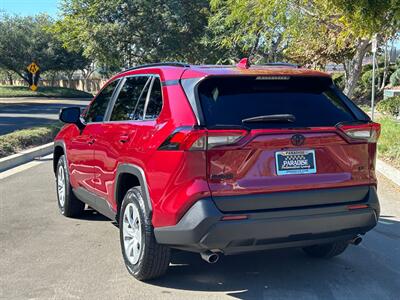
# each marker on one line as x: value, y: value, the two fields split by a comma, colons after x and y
x: 366, y: 132
x: 201, y: 139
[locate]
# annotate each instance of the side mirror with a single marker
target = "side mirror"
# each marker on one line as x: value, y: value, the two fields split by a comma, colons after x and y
x: 71, y: 115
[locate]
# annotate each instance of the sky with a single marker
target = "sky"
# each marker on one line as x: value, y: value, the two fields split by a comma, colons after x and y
x: 30, y: 7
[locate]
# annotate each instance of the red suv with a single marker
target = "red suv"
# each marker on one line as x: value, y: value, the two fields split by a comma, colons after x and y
x: 220, y: 160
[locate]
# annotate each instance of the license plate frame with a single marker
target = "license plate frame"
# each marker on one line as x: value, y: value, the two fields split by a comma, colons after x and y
x: 295, y: 162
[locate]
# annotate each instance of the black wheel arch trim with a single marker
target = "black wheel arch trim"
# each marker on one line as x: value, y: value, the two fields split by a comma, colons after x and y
x: 59, y: 143
x: 139, y: 173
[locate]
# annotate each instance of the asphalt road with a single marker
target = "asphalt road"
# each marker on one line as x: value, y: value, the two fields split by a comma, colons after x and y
x: 21, y: 113
x: 46, y: 256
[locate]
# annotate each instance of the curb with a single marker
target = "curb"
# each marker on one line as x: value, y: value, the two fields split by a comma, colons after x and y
x: 388, y: 171
x: 24, y: 156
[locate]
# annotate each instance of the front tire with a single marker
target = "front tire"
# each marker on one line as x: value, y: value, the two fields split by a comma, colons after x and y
x: 144, y: 258
x: 326, y: 250
x: 69, y: 205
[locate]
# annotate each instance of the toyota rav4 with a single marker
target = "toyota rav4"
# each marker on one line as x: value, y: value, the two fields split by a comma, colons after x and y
x: 220, y: 160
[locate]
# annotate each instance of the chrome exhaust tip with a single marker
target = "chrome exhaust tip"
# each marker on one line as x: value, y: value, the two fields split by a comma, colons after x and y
x: 209, y: 257
x: 356, y: 241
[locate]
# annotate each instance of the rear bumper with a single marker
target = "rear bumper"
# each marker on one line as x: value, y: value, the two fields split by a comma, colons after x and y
x: 202, y: 227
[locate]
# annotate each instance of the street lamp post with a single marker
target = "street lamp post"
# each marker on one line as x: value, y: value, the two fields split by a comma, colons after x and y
x: 374, y: 47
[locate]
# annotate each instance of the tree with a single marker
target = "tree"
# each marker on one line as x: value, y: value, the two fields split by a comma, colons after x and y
x: 71, y: 61
x: 242, y: 28
x: 7, y: 76
x: 120, y: 33
x: 342, y: 32
x: 26, y: 39
x: 312, y: 32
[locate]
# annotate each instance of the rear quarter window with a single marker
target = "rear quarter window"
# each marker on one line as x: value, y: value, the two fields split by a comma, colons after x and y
x: 155, y: 103
x: 312, y: 100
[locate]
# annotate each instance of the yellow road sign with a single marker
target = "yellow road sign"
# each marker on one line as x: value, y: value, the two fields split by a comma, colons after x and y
x: 33, y: 87
x: 33, y: 68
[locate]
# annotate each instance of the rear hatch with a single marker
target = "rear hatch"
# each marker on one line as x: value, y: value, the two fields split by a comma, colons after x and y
x: 269, y: 134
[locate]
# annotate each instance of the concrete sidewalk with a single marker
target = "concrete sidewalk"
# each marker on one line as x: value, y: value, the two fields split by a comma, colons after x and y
x: 388, y: 171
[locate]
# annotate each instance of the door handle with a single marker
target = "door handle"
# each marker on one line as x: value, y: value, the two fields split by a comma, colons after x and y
x: 124, y: 138
x: 91, y: 141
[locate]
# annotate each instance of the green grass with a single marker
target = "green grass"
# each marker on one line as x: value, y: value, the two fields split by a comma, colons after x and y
x: 19, y: 140
x: 389, y: 141
x: 58, y: 92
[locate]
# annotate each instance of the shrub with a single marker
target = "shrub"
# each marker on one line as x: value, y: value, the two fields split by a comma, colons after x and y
x: 338, y: 79
x: 22, y: 139
x: 395, y: 78
x: 365, y: 84
x: 366, y: 80
x: 389, y: 106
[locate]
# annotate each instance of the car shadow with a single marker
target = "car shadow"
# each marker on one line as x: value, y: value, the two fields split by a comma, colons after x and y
x: 89, y: 214
x: 364, y: 271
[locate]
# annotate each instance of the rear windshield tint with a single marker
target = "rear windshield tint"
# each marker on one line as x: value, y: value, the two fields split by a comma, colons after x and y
x: 312, y: 100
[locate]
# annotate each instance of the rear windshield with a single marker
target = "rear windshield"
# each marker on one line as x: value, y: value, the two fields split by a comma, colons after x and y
x: 311, y: 100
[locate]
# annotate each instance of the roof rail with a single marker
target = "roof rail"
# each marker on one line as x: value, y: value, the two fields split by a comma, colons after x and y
x: 167, y: 64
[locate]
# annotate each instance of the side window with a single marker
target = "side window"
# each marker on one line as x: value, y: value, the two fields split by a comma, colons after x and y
x: 155, y: 101
x: 97, y: 109
x: 130, y: 101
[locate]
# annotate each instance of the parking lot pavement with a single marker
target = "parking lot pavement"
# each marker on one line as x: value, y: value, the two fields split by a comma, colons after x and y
x: 21, y: 113
x: 47, y: 256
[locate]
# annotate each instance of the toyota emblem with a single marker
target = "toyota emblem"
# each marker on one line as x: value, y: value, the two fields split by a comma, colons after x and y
x: 298, y: 139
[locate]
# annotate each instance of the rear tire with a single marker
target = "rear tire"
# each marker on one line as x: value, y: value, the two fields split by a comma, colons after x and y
x: 144, y: 258
x: 326, y: 250
x: 69, y: 205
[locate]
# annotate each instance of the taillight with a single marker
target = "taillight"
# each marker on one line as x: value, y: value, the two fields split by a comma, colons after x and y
x: 201, y: 139
x: 218, y: 138
x: 368, y: 132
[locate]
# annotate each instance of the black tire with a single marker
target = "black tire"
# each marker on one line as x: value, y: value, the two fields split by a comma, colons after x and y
x: 72, y: 206
x: 154, y: 258
x: 326, y: 250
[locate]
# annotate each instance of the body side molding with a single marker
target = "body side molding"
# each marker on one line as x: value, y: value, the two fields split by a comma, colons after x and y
x: 99, y: 204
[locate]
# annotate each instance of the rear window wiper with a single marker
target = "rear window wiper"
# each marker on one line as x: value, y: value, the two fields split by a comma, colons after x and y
x: 284, y: 118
